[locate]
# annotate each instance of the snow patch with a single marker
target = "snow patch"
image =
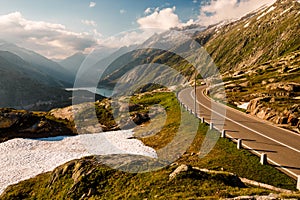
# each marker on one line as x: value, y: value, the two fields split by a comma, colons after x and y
x: 261, y: 16
x: 246, y: 25
x: 21, y: 159
x: 270, y: 10
x: 244, y: 106
x: 286, y: 11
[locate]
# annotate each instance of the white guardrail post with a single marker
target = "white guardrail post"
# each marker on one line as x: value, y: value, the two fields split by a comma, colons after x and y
x: 239, y: 144
x: 211, y: 126
x: 223, y: 134
x: 298, y: 183
x: 263, y: 159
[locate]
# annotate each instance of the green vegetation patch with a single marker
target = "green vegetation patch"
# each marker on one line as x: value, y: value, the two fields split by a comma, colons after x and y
x: 87, y: 178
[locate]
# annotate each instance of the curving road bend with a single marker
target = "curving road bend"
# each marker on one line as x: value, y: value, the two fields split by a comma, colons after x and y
x: 281, y: 146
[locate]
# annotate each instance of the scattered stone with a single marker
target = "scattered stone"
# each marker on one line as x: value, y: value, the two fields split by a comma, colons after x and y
x: 178, y: 170
x: 238, y: 73
x: 245, y: 84
x: 290, y: 87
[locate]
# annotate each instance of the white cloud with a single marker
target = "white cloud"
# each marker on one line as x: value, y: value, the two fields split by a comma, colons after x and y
x: 195, y: 1
x: 219, y: 10
x: 188, y: 23
x: 160, y: 19
x: 48, y: 39
x: 122, y: 11
x: 147, y: 11
x: 92, y: 4
x: 127, y: 38
x: 89, y: 23
x: 56, y: 41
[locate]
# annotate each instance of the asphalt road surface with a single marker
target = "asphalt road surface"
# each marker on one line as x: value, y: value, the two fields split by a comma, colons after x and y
x: 281, y: 146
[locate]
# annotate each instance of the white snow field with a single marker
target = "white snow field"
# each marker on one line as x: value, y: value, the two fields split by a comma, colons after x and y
x: 21, y: 159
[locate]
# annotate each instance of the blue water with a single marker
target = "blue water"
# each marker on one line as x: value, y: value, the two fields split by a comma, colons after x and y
x: 101, y: 91
x: 52, y: 139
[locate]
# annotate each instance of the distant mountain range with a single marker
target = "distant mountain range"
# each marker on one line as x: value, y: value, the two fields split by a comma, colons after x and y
x: 25, y: 87
x: 73, y: 62
x: 40, y: 64
x: 86, y: 63
x: 258, y: 57
x: 259, y: 37
x: 256, y: 38
x: 31, y: 81
x: 252, y: 54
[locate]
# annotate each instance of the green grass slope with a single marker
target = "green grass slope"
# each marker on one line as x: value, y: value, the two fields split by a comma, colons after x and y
x: 88, y: 178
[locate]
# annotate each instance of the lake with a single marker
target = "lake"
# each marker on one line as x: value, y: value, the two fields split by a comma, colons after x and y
x: 101, y: 91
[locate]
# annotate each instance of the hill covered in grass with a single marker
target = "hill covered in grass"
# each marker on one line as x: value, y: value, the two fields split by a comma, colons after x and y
x: 89, y: 178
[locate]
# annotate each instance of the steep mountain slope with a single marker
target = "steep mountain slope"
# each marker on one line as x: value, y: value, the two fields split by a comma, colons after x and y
x: 25, y: 88
x: 266, y: 38
x: 88, y: 178
x: 39, y: 63
x: 259, y: 58
x: 88, y: 64
x: 73, y: 62
x: 94, y: 65
x: 157, y: 50
x: 256, y: 38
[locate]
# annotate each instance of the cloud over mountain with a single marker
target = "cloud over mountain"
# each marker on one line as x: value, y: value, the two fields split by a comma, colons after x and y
x: 54, y: 40
x: 49, y: 39
x: 219, y: 10
x: 160, y: 19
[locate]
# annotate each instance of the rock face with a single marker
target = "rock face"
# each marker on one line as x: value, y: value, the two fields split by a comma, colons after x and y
x: 272, y: 93
x: 290, y: 116
x: 289, y: 87
x: 16, y: 123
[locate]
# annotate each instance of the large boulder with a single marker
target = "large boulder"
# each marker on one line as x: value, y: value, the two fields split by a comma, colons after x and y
x: 24, y: 124
x: 254, y: 105
x: 9, y: 117
x: 289, y: 87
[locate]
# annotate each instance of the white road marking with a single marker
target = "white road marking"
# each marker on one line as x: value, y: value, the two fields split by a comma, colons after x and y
x: 250, y: 129
x: 244, y: 145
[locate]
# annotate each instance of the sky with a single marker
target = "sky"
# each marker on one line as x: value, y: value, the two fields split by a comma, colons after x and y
x: 60, y: 28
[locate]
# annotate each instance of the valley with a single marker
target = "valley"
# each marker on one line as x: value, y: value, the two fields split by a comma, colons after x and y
x: 125, y: 123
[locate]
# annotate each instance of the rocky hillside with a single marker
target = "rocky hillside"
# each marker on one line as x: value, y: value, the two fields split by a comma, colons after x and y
x: 259, y: 58
x: 71, y: 120
x: 24, y: 124
x: 88, y: 178
x: 257, y: 38
x: 257, y: 55
x: 272, y: 90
